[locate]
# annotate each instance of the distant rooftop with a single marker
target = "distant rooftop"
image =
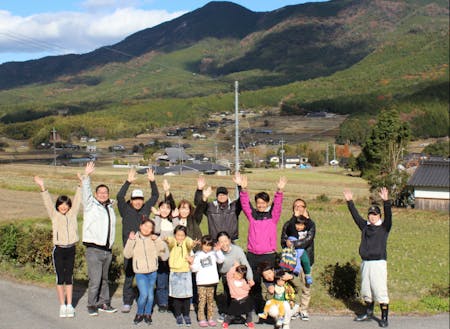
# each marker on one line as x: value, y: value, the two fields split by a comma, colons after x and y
x: 431, y: 173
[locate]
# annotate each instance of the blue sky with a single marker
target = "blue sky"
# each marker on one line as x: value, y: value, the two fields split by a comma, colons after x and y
x: 34, y: 29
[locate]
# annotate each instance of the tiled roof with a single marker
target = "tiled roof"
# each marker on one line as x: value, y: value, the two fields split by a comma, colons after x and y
x: 434, y: 173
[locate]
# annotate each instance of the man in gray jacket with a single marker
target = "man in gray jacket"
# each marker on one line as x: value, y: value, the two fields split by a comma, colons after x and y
x: 99, y: 224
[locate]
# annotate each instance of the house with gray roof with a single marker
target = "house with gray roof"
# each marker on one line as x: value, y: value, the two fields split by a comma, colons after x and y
x: 431, y: 185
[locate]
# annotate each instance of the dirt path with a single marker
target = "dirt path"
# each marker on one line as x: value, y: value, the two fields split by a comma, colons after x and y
x: 17, y: 205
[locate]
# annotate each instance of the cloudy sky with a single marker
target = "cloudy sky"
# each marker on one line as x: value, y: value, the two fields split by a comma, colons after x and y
x: 38, y: 28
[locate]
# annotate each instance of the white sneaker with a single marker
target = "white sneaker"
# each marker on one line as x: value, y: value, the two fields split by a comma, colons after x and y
x: 304, y: 315
x: 63, y: 311
x: 70, y: 311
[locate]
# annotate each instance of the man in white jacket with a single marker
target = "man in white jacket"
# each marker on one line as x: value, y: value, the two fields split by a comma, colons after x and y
x: 99, y: 224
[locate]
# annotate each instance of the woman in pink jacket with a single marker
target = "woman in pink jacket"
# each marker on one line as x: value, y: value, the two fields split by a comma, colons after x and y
x: 262, y: 230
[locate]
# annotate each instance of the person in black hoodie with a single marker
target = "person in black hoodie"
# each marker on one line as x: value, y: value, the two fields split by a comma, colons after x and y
x: 300, y: 212
x: 132, y: 212
x: 372, y: 249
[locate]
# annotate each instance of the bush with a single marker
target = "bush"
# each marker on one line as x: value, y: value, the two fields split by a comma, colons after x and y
x: 8, y: 241
x: 323, y: 198
x: 341, y: 281
x: 35, y: 246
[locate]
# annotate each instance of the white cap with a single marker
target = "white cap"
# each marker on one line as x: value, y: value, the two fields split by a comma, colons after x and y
x: 137, y: 194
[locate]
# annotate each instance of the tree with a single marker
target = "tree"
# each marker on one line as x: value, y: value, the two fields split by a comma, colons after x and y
x: 440, y: 148
x: 382, y: 150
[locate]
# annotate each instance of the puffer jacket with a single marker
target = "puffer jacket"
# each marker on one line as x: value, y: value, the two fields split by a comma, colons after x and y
x: 64, y: 227
x: 145, y: 253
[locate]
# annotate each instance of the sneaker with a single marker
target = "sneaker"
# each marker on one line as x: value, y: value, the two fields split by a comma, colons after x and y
x: 63, y: 311
x: 295, y: 316
x: 179, y: 320
x: 304, y: 316
x: 148, y: 318
x: 138, y: 318
x: 308, y: 279
x: 279, y: 322
x: 251, y: 325
x: 202, y: 323
x: 163, y: 308
x: 262, y: 315
x: 92, y: 310
x: 187, y: 320
x: 70, y: 311
x: 225, y: 325
x: 107, y: 308
x: 126, y: 308
x: 212, y: 323
x: 221, y: 318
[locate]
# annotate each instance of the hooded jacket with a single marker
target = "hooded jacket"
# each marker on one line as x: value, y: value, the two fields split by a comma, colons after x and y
x: 145, y: 253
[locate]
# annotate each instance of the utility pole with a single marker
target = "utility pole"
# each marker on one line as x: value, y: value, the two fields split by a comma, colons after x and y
x: 54, y: 145
x: 282, y: 153
x: 327, y: 160
x: 236, y: 133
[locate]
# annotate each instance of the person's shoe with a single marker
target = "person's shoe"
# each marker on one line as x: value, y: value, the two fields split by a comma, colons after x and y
x: 126, y: 308
x: 368, y: 315
x: 251, y: 325
x: 221, y: 318
x: 148, y: 319
x: 279, y: 322
x: 304, y: 316
x: 384, y: 315
x: 92, y: 310
x: 138, y: 318
x: 107, y: 308
x: 70, y: 311
x: 225, y: 325
x: 203, y: 323
x: 212, y: 323
x: 63, y: 311
x: 262, y: 315
x: 308, y: 279
x: 295, y: 316
x: 163, y: 309
x: 179, y: 320
x: 187, y: 320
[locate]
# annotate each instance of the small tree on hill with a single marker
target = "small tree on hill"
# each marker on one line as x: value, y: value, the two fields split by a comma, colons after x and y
x: 382, y: 153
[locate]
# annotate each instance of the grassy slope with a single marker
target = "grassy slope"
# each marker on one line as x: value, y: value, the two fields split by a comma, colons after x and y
x: 418, y: 248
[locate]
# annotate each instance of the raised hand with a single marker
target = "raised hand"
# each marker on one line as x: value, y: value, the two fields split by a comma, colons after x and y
x: 150, y: 175
x: 281, y: 183
x: 175, y: 213
x: 348, y: 195
x: 131, y: 175
x: 384, y: 193
x: 132, y: 236
x: 166, y: 187
x: 206, y: 193
x: 155, y: 211
x: 90, y: 168
x: 244, y: 182
x: 40, y: 182
x: 201, y: 182
x: 237, y: 179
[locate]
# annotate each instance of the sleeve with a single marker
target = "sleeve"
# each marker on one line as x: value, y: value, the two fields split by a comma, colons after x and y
x: 359, y: 221
x: 244, y: 261
x: 171, y: 242
x: 277, y: 206
x: 129, y: 248
x: 171, y: 201
x: 245, y: 205
x: 198, y: 201
x: 196, y: 264
x: 387, y: 222
x: 88, y: 197
x: 238, y: 202
x: 76, y: 204
x: 153, y: 197
x: 121, y: 203
x: 284, y: 235
x: 162, y: 249
x: 48, y: 203
x: 308, y: 240
x: 200, y: 209
x: 230, y: 274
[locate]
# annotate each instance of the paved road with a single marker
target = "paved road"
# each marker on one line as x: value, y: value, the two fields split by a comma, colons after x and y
x: 24, y: 306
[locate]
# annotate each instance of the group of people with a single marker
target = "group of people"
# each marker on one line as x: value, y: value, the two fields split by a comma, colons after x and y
x: 176, y: 267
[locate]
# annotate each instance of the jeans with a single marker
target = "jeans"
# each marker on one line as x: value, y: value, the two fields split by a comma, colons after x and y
x: 146, y: 285
x: 98, y: 262
x: 162, y: 284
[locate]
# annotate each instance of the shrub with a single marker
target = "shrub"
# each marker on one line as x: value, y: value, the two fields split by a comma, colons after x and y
x: 35, y: 246
x: 8, y: 241
x: 323, y: 198
x: 341, y: 281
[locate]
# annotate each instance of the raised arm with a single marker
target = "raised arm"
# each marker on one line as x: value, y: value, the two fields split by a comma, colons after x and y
x: 88, y: 197
x: 384, y: 195
x: 361, y: 222
x: 200, y: 209
x: 278, y: 199
x: 154, y: 190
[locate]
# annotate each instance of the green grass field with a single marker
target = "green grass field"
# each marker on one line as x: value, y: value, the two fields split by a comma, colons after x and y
x: 418, y: 246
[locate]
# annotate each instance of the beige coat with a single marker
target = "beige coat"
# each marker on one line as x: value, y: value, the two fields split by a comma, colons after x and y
x: 145, y: 253
x: 65, y: 227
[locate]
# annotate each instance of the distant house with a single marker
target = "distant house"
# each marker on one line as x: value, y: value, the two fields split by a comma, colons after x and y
x: 431, y: 185
x: 175, y: 155
x: 206, y: 168
x: 291, y: 162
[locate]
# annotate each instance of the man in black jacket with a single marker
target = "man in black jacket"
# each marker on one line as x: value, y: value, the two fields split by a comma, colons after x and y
x: 132, y: 212
x: 372, y: 249
x: 300, y: 211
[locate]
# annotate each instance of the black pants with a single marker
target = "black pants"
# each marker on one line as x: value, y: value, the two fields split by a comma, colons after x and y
x: 256, y: 292
x: 128, y: 291
x: 181, y: 306
x: 63, y: 260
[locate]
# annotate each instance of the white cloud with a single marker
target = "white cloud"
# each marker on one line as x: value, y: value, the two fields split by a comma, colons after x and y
x: 75, y: 32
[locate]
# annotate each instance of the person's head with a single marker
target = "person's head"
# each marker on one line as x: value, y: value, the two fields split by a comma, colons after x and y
x: 165, y: 208
x: 63, y: 204
x: 222, y: 194
x: 102, y: 193
x: 299, y: 206
x: 207, y: 243
x: 180, y: 233
x: 300, y: 223
x: 147, y: 226
x: 185, y: 208
x: 223, y: 238
x: 241, y: 272
x: 267, y: 271
x: 374, y: 214
x: 279, y: 279
x: 262, y: 200
x: 137, y: 199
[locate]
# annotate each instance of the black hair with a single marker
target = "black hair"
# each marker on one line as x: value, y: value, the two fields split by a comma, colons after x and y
x: 145, y: 219
x: 100, y: 186
x: 63, y: 199
x: 221, y: 234
x: 265, y: 266
x: 242, y: 269
x: 207, y: 240
x: 180, y: 228
x: 263, y: 196
x: 301, y: 220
